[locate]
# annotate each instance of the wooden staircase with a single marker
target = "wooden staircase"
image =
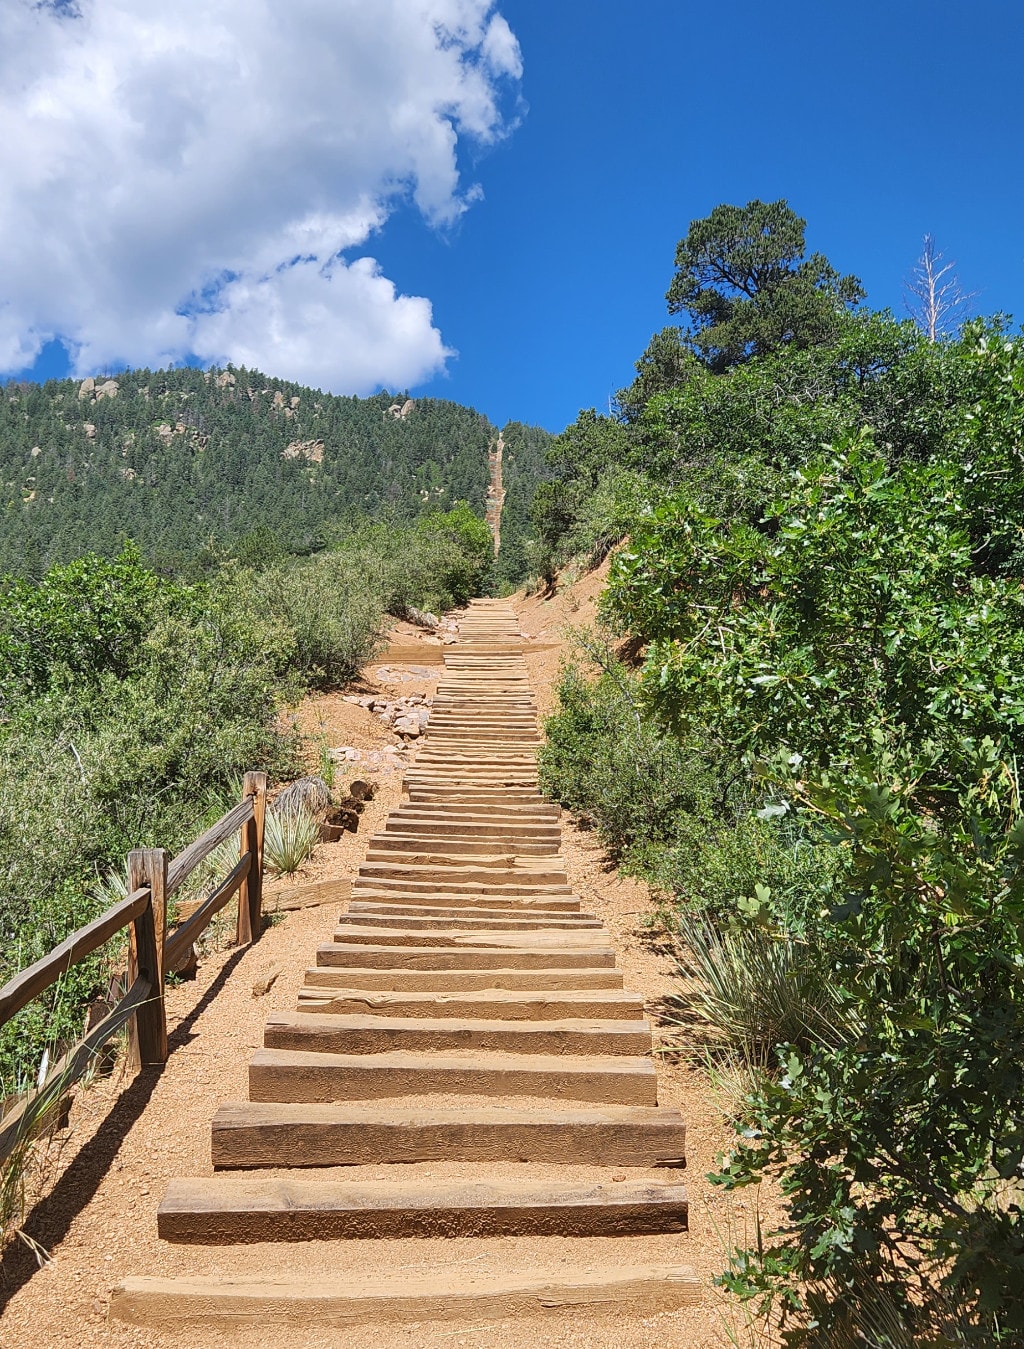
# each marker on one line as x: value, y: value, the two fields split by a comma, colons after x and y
x: 465, y: 1011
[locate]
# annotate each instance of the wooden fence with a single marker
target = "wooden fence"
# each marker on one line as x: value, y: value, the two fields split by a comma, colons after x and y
x: 152, y: 951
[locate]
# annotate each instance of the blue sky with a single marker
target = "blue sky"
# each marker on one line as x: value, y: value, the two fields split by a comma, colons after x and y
x: 878, y: 122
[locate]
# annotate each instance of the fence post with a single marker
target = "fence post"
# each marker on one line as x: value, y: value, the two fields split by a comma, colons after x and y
x: 148, y: 1034
x: 250, y: 894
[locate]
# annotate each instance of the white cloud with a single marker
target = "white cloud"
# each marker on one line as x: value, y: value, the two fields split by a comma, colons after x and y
x: 156, y: 151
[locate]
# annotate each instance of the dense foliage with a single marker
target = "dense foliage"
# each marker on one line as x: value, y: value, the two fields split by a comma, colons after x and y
x: 192, y: 465
x: 823, y: 573
x: 130, y: 704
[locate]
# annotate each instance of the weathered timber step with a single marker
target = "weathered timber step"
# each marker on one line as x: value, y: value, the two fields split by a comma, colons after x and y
x: 511, y: 816
x: 472, y: 903
x: 417, y: 858
x: 462, y: 795
x: 224, y: 1210
x: 413, y: 842
x: 483, y: 869
x: 375, y: 1299
x: 337, y: 975
x: 462, y: 938
x: 456, y: 795
x: 298, y: 1075
x: 515, y: 909
x: 447, y: 884
x: 330, y: 1033
x: 447, y: 918
x: 488, y: 1004
x: 476, y: 828
x: 383, y: 957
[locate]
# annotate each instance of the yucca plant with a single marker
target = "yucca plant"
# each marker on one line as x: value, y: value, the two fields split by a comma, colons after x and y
x: 289, y: 838
x: 757, y: 988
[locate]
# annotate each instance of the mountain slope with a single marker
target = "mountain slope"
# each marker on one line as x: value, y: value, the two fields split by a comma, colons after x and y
x: 185, y: 460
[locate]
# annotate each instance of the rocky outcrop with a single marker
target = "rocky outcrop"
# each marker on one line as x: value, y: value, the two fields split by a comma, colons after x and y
x: 400, y: 411
x: 91, y: 392
x: 310, y: 450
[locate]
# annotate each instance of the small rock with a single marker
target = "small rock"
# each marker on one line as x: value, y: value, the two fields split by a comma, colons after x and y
x: 619, y: 1175
x: 263, y: 985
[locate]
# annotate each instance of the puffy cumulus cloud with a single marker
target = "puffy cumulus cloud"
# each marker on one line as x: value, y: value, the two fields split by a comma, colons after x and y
x: 179, y: 177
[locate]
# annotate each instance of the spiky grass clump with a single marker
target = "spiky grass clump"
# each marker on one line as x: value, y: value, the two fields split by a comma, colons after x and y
x: 757, y: 988
x: 289, y: 838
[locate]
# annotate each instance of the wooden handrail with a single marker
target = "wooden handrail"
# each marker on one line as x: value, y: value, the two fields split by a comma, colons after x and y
x: 178, y: 941
x: 151, y: 950
x: 37, y: 978
x: 186, y: 862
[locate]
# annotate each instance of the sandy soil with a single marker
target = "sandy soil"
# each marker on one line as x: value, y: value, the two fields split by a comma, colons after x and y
x: 128, y: 1138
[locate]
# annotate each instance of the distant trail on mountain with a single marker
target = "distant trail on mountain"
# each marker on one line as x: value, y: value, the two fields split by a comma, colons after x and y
x: 495, y: 490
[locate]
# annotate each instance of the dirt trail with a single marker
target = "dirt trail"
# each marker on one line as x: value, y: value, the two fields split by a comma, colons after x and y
x: 495, y: 490
x: 101, y: 1222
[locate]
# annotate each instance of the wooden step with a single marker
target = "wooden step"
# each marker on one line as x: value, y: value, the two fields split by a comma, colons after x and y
x: 225, y: 1210
x: 249, y: 1134
x: 383, y: 957
x: 487, y: 1004
x: 375, y: 1299
x: 469, y: 903
x: 497, y: 921
x: 296, y: 1075
x: 462, y: 937
x: 453, y: 912
x: 412, y: 842
x: 462, y: 981
x: 363, y: 1033
x: 406, y: 885
x: 455, y: 872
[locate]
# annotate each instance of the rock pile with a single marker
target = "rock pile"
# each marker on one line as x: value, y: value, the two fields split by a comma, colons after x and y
x: 390, y: 759
x: 407, y: 717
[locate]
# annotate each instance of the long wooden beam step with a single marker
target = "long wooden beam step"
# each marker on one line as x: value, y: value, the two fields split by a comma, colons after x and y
x: 415, y: 842
x: 490, y: 1004
x: 462, y: 981
x: 376, y: 1299
x: 225, y: 1210
x: 364, y: 1033
x: 383, y: 957
x: 249, y: 1134
x: 297, y: 1075
x: 498, y: 921
x: 471, y: 903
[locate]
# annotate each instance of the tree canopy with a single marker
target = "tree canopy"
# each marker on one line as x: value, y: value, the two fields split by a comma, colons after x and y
x: 742, y: 277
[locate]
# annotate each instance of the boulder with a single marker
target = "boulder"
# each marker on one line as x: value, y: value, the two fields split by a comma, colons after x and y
x: 310, y: 794
x: 422, y: 618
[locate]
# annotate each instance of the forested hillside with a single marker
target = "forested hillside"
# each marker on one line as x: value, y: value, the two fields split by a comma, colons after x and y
x: 804, y: 727
x: 191, y: 464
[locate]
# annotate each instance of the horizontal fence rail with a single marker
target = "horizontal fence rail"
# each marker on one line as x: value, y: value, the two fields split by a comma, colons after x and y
x: 153, y: 952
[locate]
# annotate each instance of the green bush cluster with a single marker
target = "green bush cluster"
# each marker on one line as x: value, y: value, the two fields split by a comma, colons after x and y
x: 130, y: 705
x: 818, y: 764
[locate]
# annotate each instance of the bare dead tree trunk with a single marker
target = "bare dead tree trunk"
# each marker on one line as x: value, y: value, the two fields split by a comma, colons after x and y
x: 934, y: 294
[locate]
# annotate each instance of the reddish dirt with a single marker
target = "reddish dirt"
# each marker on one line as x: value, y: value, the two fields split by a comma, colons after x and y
x: 128, y: 1139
